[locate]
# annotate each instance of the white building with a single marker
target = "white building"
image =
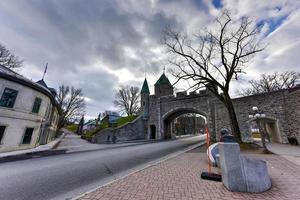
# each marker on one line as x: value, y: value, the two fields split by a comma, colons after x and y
x: 29, y: 113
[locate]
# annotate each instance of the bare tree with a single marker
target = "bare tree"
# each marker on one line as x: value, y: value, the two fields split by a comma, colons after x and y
x: 72, y: 103
x: 8, y: 59
x: 127, y: 99
x: 213, y: 58
x: 272, y: 82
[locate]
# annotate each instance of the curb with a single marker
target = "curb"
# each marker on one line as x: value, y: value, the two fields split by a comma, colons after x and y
x: 59, y: 141
x: 28, y: 155
x: 103, y: 149
x: 155, y: 162
x: 128, y: 144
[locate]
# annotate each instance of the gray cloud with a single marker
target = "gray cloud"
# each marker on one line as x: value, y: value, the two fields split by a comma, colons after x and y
x: 87, y: 43
x: 74, y: 35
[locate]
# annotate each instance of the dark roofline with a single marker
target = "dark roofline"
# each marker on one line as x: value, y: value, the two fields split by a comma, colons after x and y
x: 163, y: 80
x: 30, y: 84
x: 145, y: 87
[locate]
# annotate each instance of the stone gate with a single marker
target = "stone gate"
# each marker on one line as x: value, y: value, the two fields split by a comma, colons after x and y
x: 282, y: 109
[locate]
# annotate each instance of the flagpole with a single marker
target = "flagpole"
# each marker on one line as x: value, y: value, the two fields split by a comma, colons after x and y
x: 45, y: 71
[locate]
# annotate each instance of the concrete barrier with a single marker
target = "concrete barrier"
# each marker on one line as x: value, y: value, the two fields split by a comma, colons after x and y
x: 240, y: 173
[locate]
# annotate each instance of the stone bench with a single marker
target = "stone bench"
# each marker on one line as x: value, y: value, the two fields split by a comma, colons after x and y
x: 240, y: 173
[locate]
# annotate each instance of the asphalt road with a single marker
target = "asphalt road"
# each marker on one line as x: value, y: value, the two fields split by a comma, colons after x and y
x: 68, y: 175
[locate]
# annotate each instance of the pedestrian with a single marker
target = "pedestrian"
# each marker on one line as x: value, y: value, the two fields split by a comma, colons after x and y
x: 108, y: 139
x: 114, y: 139
x: 226, y: 136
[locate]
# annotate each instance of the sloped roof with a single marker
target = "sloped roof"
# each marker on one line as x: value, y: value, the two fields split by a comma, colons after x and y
x: 42, y: 83
x: 145, y: 88
x: 11, y: 75
x: 90, y: 122
x: 163, y: 80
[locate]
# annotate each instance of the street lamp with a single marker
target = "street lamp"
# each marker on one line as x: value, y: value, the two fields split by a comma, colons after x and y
x: 257, y: 115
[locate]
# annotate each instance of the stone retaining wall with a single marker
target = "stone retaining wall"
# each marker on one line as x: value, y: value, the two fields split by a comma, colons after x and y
x: 131, y: 131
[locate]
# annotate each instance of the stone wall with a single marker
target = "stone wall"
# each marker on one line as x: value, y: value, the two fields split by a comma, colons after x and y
x: 293, y: 114
x: 282, y: 105
x: 131, y: 131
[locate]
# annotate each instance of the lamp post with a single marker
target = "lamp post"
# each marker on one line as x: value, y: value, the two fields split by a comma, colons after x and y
x: 258, y: 115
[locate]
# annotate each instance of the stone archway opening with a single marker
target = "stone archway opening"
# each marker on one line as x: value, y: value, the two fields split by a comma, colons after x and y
x: 152, y: 132
x: 270, y: 125
x: 183, y: 121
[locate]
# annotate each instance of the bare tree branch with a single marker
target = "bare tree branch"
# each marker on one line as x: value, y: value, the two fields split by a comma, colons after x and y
x: 72, y: 103
x: 214, y: 57
x: 127, y: 99
x: 8, y: 59
x: 272, y: 82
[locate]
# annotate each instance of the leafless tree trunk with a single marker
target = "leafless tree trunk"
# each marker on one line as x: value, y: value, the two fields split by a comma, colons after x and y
x: 72, y: 104
x: 8, y: 59
x: 214, y: 58
x: 127, y: 99
x: 272, y: 82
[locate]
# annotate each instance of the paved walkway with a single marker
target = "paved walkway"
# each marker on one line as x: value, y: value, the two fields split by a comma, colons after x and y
x: 290, y: 152
x: 179, y: 178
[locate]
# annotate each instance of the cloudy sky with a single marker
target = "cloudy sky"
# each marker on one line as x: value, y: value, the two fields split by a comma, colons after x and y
x: 98, y: 45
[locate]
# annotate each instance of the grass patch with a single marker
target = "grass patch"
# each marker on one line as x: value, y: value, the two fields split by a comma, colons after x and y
x: 123, y: 120
x: 72, y: 127
x: 256, y: 135
x: 253, y: 148
x: 248, y: 146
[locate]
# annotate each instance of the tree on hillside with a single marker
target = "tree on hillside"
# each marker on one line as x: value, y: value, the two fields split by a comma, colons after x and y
x: 8, y: 59
x: 272, y: 82
x: 72, y: 104
x: 127, y: 99
x: 213, y: 58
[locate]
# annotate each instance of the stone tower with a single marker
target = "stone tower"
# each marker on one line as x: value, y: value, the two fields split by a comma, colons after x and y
x: 145, y: 99
x: 163, y: 87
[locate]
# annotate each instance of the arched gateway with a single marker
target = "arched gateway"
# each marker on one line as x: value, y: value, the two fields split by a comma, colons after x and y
x: 163, y: 106
x: 160, y: 109
x: 171, y: 115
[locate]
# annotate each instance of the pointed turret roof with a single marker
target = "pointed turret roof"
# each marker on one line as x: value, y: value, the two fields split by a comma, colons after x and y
x: 163, y: 80
x: 145, y: 88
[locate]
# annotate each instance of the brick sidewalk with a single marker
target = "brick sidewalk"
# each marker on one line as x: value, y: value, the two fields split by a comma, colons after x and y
x: 179, y: 179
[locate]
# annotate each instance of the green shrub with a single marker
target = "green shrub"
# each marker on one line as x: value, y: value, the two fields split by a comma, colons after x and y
x: 90, y: 134
x: 104, y: 125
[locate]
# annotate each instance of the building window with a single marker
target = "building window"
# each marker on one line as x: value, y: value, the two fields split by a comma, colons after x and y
x: 8, y: 98
x: 36, y: 105
x: 2, y: 129
x: 27, y: 136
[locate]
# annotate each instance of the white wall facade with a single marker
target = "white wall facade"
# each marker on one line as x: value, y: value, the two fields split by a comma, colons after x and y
x: 20, y: 117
